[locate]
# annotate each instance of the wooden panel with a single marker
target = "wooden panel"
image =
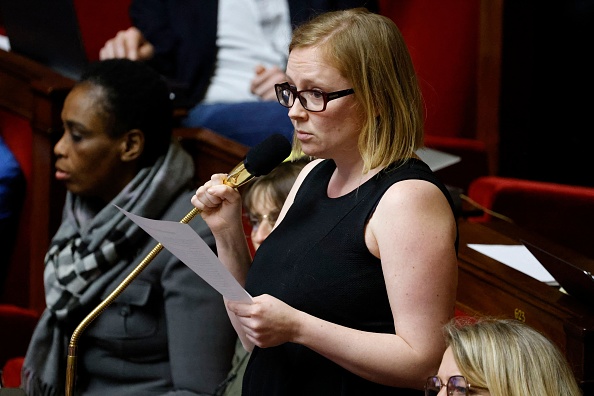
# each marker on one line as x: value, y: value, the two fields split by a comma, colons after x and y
x: 488, y: 287
x: 489, y: 78
x: 212, y: 153
x: 36, y: 93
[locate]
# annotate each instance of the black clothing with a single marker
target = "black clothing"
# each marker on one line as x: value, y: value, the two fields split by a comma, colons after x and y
x: 317, y: 261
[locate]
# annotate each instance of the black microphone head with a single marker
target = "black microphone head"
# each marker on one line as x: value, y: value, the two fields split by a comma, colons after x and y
x: 266, y: 155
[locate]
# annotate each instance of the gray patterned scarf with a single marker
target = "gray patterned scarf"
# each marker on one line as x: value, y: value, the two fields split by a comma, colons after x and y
x: 88, y: 251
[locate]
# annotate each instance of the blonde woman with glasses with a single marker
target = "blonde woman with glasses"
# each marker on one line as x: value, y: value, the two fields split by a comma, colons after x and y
x: 500, y: 357
x: 353, y: 285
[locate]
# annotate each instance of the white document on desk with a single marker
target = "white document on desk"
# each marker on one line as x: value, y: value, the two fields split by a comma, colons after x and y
x: 4, y: 43
x: 518, y: 257
x: 183, y: 242
x: 437, y: 159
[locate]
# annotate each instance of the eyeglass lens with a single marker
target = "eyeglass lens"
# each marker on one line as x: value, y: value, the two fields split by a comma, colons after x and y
x: 256, y: 219
x: 456, y: 386
x: 311, y: 100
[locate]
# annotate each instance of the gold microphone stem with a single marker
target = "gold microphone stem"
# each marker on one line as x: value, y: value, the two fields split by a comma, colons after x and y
x: 72, y: 347
x: 236, y: 178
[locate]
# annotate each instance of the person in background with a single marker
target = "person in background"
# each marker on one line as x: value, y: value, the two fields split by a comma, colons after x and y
x: 263, y: 199
x: 12, y: 196
x: 353, y: 286
x: 500, y: 357
x: 221, y: 56
x: 167, y: 332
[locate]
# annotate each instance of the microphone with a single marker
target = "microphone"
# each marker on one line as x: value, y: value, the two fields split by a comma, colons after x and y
x: 259, y: 161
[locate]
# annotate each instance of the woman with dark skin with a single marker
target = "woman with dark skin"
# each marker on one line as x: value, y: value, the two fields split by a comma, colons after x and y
x: 167, y: 332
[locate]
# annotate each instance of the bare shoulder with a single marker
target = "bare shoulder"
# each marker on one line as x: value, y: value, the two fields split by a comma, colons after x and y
x: 414, y: 194
x: 410, y: 211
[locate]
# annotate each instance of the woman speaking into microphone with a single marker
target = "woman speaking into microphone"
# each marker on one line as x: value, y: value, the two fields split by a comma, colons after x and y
x: 353, y: 285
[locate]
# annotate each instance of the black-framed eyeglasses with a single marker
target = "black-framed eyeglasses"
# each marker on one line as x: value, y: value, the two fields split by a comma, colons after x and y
x: 456, y: 386
x: 312, y: 100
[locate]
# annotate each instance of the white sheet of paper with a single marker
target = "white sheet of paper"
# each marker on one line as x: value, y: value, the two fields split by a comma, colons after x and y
x: 518, y: 257
x: 183, y: 242
x: 437, y: 159
x: 4, y: 43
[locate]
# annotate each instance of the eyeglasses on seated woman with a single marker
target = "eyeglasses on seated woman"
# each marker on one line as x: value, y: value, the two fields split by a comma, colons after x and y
x: 455, y: 386
x: 500, y: 357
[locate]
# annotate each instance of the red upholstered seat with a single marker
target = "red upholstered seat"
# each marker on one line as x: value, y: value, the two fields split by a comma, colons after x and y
x: 560, y: 212
x: 473, y: 164
x: 16, y: 327
x: 99, y: 21
x: 446, y: 46
x: 11, y: 372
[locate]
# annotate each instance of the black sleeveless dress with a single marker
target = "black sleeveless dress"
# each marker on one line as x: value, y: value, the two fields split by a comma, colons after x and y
x: 317, y: 261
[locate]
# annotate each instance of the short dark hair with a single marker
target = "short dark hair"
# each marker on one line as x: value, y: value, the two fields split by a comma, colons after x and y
x: 136, y: 97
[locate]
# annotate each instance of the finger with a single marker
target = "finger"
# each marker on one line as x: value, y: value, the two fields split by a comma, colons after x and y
x: 117, y: 45
x: 107, y: 51
x: 197, y: 203
x: 218, y: 178
x: 259, y: 69
x: 200, y: 199
x: 146, y: 51
x: 209, y: 198
x: 269, y: 94
x: 263, y: 85
x: 130, y: 46
x: 259, y: 78
x: 255, y: 85
x: 134, y: 40
x: 240, y: 309
x: 274, y: 74
x: 266, y: 88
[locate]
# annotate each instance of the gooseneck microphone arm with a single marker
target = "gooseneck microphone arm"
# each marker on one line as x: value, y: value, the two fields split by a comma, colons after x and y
x: 260, y: 160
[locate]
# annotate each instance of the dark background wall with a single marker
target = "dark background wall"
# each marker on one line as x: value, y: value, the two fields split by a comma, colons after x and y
x: 546, y: 112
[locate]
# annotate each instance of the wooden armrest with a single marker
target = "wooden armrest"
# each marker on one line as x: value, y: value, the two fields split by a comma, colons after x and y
x: 212, y: 153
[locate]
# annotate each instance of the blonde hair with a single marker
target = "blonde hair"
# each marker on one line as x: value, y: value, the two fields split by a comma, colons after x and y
x: 509, y: 358
x: 369, y: 51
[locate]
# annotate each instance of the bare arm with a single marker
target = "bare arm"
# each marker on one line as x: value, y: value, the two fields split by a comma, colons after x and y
x: 220, y: 207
